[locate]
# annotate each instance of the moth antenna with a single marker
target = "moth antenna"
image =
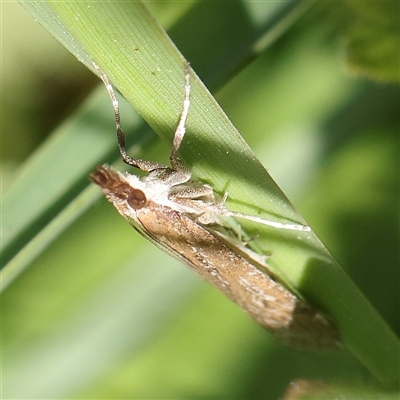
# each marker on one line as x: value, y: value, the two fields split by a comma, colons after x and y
x: 181, y: 128
x: 137, y: 163
x: 115, y: 104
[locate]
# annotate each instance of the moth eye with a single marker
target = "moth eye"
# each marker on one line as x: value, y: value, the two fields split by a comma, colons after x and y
x: 136, y: 199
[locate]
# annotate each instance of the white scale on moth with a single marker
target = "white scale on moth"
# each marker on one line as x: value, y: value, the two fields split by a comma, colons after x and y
x: 181, y: 217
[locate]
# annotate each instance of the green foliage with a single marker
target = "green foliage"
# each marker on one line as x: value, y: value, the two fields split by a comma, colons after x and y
x: 100, y: 313
x: 374, y: 40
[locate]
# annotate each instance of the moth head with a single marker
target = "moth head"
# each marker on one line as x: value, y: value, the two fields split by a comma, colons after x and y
x: 130, y: 193
x: 119, y: 188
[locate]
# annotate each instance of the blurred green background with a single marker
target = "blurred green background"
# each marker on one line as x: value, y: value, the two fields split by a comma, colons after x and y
x: 101, y: 313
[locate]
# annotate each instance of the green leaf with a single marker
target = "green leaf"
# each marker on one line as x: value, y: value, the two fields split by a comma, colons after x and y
x: 374, y: 40
x: 147, y: 68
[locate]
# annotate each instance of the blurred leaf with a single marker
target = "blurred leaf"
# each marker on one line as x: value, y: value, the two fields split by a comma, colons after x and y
x: 374, y: 39
x: 80, y: 277
x: 317, y: 390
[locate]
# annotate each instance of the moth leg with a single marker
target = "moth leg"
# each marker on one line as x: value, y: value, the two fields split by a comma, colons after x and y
x: 181, y: 128
x: 223, y: 200
x: 274, y: 224
x: 143, y: 165
x: 192, y: 193
x: 221, y: 210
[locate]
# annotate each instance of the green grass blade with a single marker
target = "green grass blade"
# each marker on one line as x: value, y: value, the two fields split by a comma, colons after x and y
x: 147, y: 68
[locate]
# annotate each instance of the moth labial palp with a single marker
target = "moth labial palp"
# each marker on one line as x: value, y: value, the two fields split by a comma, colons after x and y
x: 181, y: 216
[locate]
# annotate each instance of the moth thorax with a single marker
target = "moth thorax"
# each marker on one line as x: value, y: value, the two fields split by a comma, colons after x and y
x: 136, y: 199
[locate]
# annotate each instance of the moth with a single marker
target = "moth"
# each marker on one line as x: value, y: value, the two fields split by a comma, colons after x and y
x: 182, y: 217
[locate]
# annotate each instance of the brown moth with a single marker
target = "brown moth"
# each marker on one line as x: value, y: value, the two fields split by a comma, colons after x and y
x: 181, y: 217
